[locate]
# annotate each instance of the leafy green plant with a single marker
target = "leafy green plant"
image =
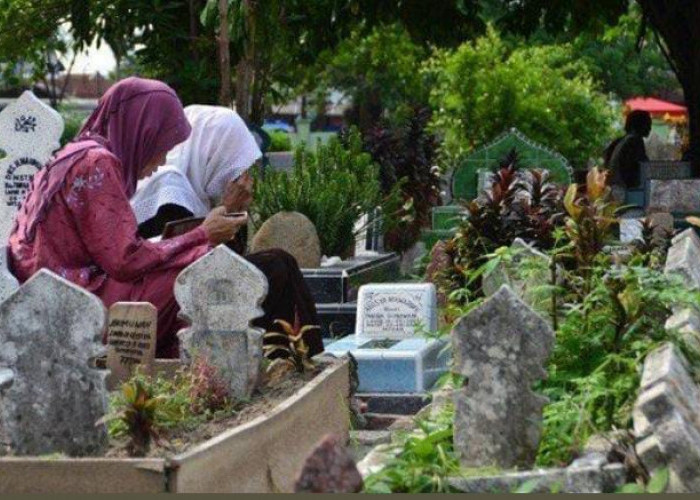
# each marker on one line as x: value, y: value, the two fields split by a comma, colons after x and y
x: 425, y: 460
x: 602, y: 341
x: 290, y: 345
x: 333, y: 187
x: 138, y: 414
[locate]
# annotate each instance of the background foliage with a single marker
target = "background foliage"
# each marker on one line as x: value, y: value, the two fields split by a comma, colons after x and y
x: 486, y: 87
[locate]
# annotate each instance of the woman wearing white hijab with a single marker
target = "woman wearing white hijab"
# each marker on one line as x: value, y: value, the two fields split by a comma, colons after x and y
x: 198, y: 172
x: 210, y: 168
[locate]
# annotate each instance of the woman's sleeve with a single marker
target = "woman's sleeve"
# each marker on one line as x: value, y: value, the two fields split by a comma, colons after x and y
x: 108, y: 228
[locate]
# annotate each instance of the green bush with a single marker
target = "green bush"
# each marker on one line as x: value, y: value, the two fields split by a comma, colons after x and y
x: 485, y: 87
x: 379, y: 70
x: 73, y: 120
x: 279, y: 141
x: 333, y: 187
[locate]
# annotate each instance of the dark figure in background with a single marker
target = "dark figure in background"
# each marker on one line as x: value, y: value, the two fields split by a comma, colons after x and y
x: 624, y: 155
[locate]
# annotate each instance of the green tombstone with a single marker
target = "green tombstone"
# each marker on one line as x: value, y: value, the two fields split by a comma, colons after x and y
x: 530, y: 154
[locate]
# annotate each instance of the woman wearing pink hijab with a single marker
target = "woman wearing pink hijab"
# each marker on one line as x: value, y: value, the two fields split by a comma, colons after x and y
x: 76, y: 220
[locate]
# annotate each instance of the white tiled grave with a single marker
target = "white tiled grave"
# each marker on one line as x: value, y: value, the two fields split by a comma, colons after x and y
x: 391, y: 354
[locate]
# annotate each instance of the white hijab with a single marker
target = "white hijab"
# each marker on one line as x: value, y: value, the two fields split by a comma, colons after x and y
x: 219, y: 150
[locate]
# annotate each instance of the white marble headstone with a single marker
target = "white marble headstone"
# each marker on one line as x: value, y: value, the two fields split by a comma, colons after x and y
x: 393, y: 310
x: 30, y: 131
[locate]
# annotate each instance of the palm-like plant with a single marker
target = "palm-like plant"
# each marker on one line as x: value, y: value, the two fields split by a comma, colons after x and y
x: 591, y: 214
x: 138, y: 413
x: 290, y: 346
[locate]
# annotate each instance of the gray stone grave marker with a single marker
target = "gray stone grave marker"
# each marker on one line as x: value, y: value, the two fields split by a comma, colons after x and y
x: 220, y: 295
x: 501, y: 348
x: 29, y: 134
x: 131, y: 339
x: 684, y: 259
x: 393, y: 310
x: 50, y: 329
x: 668, y: 407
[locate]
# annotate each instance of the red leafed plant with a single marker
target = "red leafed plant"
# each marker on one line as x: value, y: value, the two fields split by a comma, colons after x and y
x: 209, y: 391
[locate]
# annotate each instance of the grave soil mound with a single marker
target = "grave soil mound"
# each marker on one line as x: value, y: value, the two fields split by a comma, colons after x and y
x: 264, y: 400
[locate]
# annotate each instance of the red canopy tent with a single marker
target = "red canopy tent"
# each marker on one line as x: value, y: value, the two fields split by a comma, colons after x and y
x: 657, y: 108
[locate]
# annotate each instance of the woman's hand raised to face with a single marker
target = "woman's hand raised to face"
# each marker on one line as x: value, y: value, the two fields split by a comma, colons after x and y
x: 239, y: 193
x: 220, y: 228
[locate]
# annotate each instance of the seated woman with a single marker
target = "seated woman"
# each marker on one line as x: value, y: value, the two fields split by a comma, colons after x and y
x: 76, y: 219
x: 212, y: 166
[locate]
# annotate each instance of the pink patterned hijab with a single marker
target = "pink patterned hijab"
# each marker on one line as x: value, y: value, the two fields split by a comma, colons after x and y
x: 136, y: 120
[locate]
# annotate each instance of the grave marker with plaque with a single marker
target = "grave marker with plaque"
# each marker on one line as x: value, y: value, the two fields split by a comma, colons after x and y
x: 391, y: 355
x: 131, y: 339
x: 30, y: 132
x: 392, y: 311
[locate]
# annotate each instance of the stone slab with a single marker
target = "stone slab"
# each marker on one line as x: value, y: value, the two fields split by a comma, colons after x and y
x: 606, y: 479
x: 674, y: 196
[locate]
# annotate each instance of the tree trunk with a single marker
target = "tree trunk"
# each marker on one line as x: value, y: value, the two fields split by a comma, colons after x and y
x: 676, y: 23
x: 224, y: 55
x: 245, y: 69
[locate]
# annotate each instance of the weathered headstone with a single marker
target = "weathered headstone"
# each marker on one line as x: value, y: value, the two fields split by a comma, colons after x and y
x: 131, y: 339
x: 49, y: 330
x: 501, y: 348
x: 687, y: 323
x: 393, y: 310
x: 220, y: 294
x: 669, y: 402
x: 292, y: 232
x: 329, y: 469
x: 684, y: 259
x: 29, y: 134
x: 8, y: 282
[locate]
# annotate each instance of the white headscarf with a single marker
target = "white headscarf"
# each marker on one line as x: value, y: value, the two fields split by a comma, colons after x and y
x: 219, y: 150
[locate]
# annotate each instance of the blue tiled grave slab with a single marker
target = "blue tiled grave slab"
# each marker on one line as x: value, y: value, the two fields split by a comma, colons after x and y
x: 391, y: 357
x: 406, y: 366
x: 339, y: 284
